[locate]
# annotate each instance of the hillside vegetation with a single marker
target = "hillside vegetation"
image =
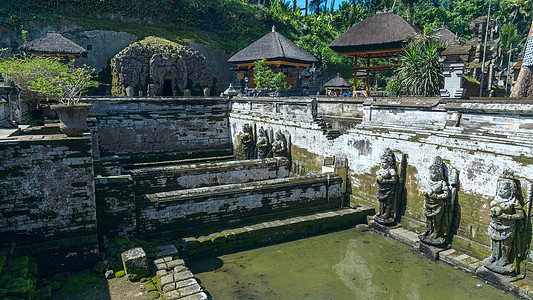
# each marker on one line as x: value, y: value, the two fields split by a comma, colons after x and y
x: 232, y: 24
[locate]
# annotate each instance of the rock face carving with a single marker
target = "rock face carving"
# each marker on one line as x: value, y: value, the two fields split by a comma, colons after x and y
x: 264, y: 149
x: 388, y: 187
x: 247, y: 141
x: 507, y: 227
x: 279, y: 147
x: 169, y: 66
x: 440, y: 205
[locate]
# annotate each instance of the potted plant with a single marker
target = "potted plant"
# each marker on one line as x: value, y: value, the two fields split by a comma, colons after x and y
x: 47, y: 78
x: 72, y: 114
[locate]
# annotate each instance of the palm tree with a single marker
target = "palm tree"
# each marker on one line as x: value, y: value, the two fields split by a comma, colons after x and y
x: 316, y: 5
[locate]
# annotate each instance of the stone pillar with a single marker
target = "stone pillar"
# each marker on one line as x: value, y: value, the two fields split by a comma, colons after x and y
x: 151, y: 90
x: 14, y: 103
x: 129, y: 91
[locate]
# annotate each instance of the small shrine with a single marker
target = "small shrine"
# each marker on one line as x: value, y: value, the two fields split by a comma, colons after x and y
x: 282, y: 55
x: 380, y: 36
x: 55, y: 45
x: 337, y: 86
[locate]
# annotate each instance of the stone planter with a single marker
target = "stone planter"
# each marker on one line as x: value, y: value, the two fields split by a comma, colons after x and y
x: 73, y: 118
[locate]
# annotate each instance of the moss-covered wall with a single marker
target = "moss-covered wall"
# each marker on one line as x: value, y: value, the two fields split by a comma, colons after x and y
x: 47, y: 202
x: 482, y: 141
x: 142, y: 126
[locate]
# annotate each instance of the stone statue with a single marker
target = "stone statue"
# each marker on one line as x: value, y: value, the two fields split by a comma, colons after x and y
x: 506, y: 226
x: 247, y: 141
x: 264, y: 149
x: 279, y: 147
x: 388, y: 186
x: 439, y: 206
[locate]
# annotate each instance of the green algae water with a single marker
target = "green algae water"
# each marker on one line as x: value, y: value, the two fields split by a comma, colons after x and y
x: 347, y: 264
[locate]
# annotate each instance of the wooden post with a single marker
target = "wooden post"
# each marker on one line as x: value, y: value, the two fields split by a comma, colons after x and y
x: 367, y: 76
x: 355, y: 76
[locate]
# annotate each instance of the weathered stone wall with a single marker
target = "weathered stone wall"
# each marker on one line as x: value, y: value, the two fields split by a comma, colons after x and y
x: 214, y: 207
x: 115, y: 206
x: 479, y: 139
x: 47, y: 202
x: 147, y: 126
x: 153, y: 180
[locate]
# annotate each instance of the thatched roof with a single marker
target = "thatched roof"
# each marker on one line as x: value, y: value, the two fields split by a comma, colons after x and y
x: 337, y: 82
x: 444, y: 35
x: 382, y: 31
x: 53, y: 43
x: 273, y: 46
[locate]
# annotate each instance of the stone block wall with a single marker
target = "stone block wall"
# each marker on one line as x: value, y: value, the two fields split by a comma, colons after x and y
x: 480, y: 139
x: 115, y: 205
x: 214, y: 207
x: 153, y: 180
x: 177, y: 127
x: 47, y: 201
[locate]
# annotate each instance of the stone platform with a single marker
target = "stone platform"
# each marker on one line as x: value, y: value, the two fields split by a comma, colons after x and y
x: 384, y: 230
x: 428, y: 250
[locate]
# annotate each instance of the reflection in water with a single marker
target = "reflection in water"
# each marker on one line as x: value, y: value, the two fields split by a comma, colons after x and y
x: 342, y: 265
x: 354, y: 273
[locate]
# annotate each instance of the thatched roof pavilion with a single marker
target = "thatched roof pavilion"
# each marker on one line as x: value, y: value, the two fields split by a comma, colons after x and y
x: 380, y: 36
x: 444, y: 35
x: 54, y: 44
x: 337, y: 84
x: 281, y: 54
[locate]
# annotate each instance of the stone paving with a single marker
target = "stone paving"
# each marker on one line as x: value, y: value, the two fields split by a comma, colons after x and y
x: 175, y: 281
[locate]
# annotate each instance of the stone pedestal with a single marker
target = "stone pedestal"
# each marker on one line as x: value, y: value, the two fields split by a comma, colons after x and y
x: 380, y: 228
x: 429, y: 250
x: 501, y: 281
x: 135, y: 263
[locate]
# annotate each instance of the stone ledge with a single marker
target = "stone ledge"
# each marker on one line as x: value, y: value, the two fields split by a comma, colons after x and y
x: 244, y: 188
x: 273, y: 231
x: 466, y: 263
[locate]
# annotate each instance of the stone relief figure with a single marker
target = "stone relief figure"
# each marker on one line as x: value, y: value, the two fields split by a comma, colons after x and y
x: 264, y: 149
x: 506, y: 227
x: 388, y: 186
x: 439, y: 206
x: 247, y: 141
x: 279, y: 147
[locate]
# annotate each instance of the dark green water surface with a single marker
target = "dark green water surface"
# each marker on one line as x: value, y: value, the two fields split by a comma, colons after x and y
x: 342, y: 265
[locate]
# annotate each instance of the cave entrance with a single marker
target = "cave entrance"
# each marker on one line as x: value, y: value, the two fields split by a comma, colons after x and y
x: 167, y: 88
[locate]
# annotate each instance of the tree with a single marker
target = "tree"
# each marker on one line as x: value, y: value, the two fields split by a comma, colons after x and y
x: 421, y: 73
x: 264, y: 77
x: 45, y: 78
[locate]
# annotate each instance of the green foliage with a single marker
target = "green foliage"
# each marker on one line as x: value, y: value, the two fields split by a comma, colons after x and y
x: 46, y: 78
x: 395, y: 87
x: 264, y: 77
x: 421, y: 73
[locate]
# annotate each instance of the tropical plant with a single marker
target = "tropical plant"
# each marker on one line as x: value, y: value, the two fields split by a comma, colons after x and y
x: 264, y: 77
x: 421, y: 73
x: 45, y: 78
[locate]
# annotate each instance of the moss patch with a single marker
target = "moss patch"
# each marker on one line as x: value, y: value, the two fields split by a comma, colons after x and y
x: 304, y: 161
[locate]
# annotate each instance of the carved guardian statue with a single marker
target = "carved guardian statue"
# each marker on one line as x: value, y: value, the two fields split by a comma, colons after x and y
x: 439, y: 206
x: 264, y: 149
x: 247, y: 141
x: 279, y: 147
x: 388, y: 187
x: 506, y: 227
